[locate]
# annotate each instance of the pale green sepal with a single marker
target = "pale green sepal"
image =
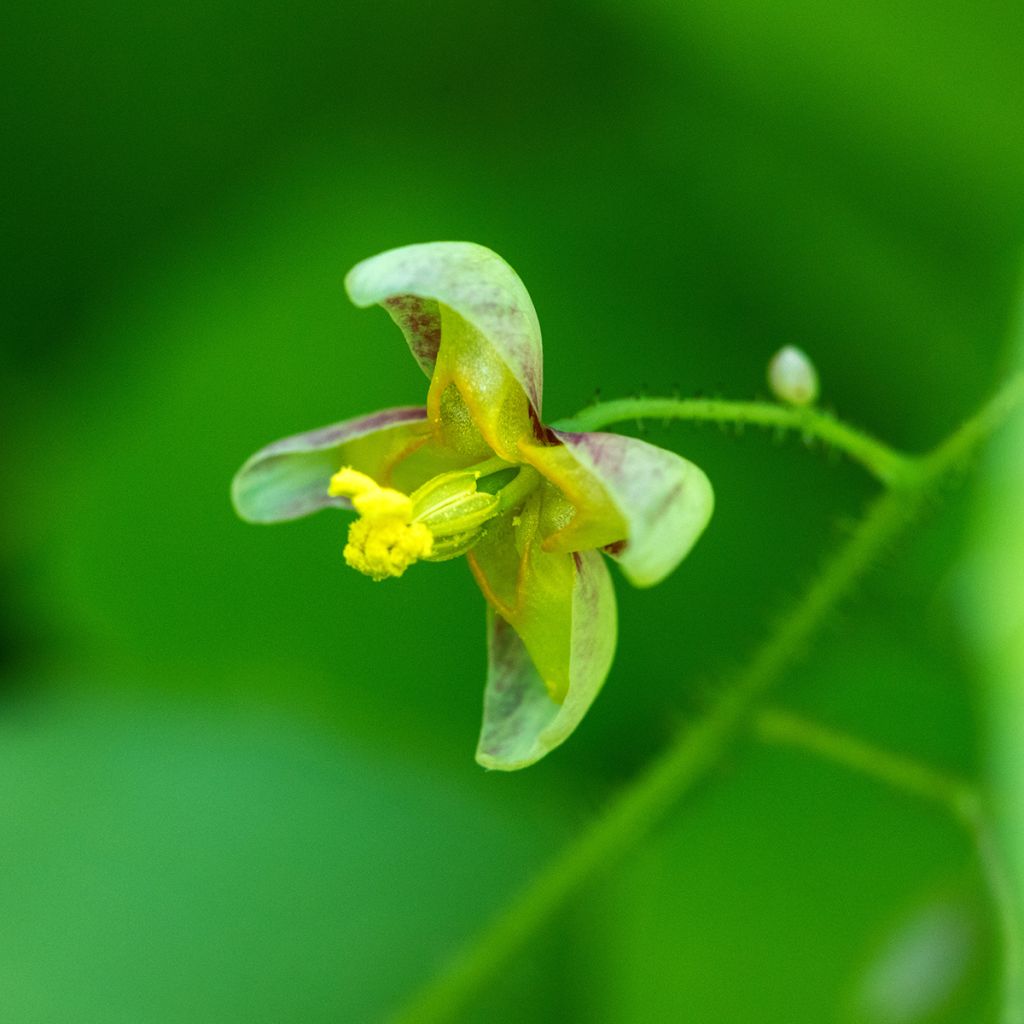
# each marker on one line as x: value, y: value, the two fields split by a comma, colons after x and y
x: 665, y: 500
x: 289, y: 478
x: 521, y: 722
x: 470, y: 279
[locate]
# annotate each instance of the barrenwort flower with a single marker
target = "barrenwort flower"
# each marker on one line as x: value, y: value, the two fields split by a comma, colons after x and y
x: 476, y: 473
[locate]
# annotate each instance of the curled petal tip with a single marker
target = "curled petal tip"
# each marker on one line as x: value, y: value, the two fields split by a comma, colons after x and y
x: 470, y: 279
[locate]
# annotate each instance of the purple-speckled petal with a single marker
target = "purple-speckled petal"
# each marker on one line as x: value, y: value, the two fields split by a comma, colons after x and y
x: 289, y: 478
x: 469, y: 279
x: 665, y: 500
x: 420, y: 321
x: 521, y: 722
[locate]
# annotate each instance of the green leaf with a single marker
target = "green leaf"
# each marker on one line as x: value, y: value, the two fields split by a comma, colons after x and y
x: 996, y: 620
x: 186, y: 860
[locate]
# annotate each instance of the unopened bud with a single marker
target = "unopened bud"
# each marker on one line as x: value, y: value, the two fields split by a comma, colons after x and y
x: 792, y: 376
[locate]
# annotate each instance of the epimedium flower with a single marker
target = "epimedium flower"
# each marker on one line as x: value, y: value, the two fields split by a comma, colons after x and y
x: 476, y: 473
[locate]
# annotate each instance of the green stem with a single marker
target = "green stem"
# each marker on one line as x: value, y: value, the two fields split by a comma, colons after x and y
x: 687, y: 760
x: 1007, y: 903
x: 956, y: 451
x: 489, y: 467
x: 884, y: 462
x: 958, y: 797
x: 517, y: 490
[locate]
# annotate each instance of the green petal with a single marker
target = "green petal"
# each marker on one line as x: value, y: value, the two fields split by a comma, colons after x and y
x: 521, y: 722
x: 589, y: 518
x: 469, y: 279
x: 289, y: 478
x: 665, y: 500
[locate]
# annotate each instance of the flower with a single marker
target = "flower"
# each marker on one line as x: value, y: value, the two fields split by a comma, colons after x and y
x: 476, y: 472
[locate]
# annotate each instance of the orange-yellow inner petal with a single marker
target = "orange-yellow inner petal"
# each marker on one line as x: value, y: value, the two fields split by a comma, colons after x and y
x: 489, y: 399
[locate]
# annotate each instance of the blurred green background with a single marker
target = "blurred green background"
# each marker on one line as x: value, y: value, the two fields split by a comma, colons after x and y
x: 236, y: 779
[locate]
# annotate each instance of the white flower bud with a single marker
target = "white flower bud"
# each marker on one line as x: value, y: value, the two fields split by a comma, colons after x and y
x: 792, y: 376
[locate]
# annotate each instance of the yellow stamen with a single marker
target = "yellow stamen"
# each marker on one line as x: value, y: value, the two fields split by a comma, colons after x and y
x: 383, y: 502
x: 383, y: 548
x: 384, y: 541
x: 441, y: 519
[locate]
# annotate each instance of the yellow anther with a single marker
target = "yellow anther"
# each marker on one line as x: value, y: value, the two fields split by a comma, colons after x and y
x: 349, y: 482
x: 383, y: 503
x: 367, y: 496
x: 441, y: 519
x: 383, y: 548
x: 384, y: 541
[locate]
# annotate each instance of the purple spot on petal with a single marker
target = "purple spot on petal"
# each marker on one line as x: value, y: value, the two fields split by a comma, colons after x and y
x: 605, y: 451
x: 420, y: 322
x: 545, y: 435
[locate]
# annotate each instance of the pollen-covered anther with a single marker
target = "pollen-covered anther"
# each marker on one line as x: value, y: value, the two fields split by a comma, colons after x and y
x: 440, y: 520
x: 385, y: 547
x: 385, y: 540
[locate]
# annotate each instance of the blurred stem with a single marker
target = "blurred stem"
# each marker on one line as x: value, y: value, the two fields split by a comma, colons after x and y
x: 884, y: 462
x: 642, y: 803
x: 1007, y: 902
x: 956, y: 796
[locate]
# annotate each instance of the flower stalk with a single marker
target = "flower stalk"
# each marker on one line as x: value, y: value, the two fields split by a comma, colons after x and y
x: 888, y: 465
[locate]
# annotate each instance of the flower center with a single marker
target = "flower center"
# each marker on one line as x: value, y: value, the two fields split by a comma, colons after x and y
x: 384, y: 541
x: 442, y: 519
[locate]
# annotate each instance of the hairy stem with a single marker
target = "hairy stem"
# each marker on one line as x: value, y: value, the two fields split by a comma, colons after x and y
x: 884, y: 462
x: 687, y: 760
